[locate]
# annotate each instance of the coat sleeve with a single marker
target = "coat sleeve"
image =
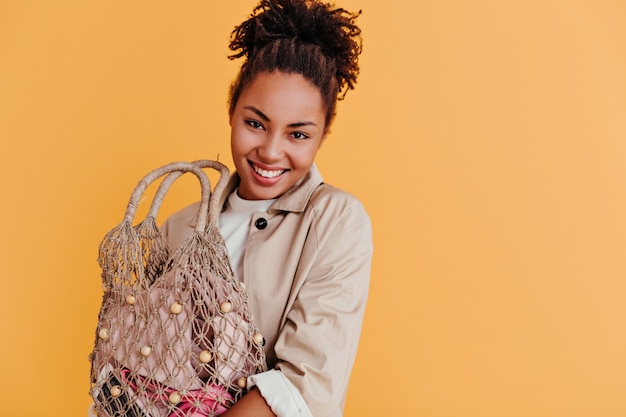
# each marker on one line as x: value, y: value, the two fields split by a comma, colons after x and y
x: 317, y: 346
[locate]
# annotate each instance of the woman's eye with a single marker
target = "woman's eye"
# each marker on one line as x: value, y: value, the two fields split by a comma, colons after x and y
x: 299, y: 135
x: 254, y: 124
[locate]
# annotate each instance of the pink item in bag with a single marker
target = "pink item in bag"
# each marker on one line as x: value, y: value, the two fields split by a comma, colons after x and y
x: 212, y: 400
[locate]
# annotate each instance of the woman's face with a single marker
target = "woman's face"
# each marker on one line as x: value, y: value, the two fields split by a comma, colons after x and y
x: 277, y: 126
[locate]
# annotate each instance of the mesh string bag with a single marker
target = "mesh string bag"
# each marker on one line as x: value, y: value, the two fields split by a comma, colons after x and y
x: 175, y: 336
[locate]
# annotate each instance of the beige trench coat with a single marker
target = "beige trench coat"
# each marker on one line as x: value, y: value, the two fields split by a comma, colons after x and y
x: 307, y: 276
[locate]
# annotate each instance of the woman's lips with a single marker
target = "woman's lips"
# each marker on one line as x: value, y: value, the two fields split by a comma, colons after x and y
x: 266, y: 176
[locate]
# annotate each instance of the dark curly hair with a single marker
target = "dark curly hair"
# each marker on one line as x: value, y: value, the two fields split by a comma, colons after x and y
x: 307, y: 37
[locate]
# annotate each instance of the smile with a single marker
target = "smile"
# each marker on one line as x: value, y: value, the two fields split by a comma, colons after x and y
x: 267, y: 173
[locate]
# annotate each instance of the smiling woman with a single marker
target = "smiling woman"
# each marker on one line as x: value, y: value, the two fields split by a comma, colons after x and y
x: 306, y: 262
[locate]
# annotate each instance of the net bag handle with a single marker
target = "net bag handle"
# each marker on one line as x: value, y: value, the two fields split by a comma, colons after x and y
x: 180, y: 167
x: 214, y: 200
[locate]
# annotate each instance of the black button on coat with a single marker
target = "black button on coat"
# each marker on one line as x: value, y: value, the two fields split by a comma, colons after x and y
x: 260, y: 223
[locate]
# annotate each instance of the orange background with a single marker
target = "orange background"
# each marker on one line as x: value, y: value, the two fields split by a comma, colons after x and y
x: 486, y: 138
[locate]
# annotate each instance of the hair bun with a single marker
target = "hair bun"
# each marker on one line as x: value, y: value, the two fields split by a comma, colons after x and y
x: 333, y: 30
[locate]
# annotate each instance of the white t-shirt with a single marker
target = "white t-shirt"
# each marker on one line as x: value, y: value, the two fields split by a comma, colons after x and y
x: 235, y: 223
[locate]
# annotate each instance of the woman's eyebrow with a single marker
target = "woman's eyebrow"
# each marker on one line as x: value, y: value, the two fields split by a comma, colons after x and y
x: 258, y: 112
x: 267, y: 119
x: 301, y: 124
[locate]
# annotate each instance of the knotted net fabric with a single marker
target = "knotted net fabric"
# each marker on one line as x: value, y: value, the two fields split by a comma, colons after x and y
x: 175, y: 335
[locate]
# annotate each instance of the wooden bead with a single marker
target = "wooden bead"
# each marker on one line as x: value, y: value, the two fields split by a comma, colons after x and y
x: 176, y: 308
x: 205, y: 356
x: 258, y: 339
x: 242, y: 382
x: 131, y: 299
x: 175, y: 398
x: 103, y: 334
x: 226, y: 307
x: 116, y: 391
x: 146, y: 350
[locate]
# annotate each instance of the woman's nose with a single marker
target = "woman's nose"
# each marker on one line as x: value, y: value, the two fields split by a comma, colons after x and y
x: 270, y: 149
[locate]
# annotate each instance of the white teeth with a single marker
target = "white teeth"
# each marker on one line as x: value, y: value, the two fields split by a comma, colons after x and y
x: 267, y: 174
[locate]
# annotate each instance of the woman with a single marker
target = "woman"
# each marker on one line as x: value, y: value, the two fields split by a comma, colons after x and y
x: 301, y: 247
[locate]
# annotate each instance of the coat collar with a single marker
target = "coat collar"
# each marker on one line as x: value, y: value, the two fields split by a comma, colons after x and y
x: 294, y: 200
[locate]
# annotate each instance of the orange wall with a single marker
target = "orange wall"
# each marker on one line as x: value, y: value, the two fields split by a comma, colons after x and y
x: 486, y: 138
